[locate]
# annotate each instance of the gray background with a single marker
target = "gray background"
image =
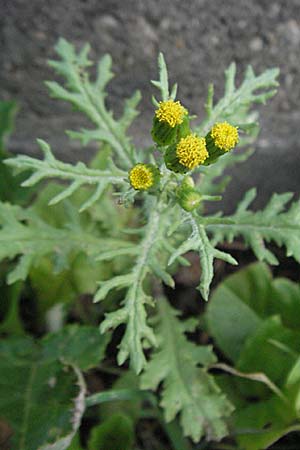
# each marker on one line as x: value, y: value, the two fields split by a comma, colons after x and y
x: 199, y: 38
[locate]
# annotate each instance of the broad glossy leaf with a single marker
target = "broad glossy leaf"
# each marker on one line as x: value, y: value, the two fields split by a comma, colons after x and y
x: 78, y: 345
x: 115, y: 433
x: 233, y: 310
x: 286, y: 301
x: 42, y: 401
x: 271, y: 350
x: 240, y: 303
x: 253, y: 320
x: 261, y: 424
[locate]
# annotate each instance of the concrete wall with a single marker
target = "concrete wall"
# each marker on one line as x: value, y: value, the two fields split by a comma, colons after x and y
x: 199, y: 39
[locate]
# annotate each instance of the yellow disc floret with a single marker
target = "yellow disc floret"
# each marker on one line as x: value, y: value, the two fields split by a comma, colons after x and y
x: 171, y: 112
x: 141, y: 177
x: 225, y: 136
x: 191, y: 151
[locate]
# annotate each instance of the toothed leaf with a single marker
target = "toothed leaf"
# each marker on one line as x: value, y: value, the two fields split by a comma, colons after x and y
x: 187, y: 389
x: 276, y: 223
x: 89, y: 97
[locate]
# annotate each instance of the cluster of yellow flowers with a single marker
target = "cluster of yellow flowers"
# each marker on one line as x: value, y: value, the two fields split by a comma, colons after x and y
x: 183, y: 149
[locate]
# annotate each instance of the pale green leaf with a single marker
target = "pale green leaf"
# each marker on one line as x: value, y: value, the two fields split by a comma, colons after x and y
x: 133, y: 310
x: 235, y: 106
x: 77, y: 175
x: 187, y: 390
x: 198, y: 241
x: 275, y: 223
x: 89, y: 97
x: 163, y: 83
x: 23, y: 233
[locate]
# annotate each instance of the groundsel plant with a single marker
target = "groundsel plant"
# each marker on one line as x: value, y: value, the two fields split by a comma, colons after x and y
x: 168, y: 185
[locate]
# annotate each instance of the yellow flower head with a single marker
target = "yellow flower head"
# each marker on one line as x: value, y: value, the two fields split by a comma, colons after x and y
x: 141, y: 177
x: 191, y: 151
x: 224, y: 135
x: 171, y: 112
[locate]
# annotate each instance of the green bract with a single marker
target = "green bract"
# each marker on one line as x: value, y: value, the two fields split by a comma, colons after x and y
x: 144, y: 244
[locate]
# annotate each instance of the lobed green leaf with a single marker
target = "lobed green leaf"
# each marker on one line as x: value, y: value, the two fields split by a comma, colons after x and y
x: 78, y: 175
x: 275, y: 223
x: 236, y: 104
x: 89, y: 97
x: 187, y: 390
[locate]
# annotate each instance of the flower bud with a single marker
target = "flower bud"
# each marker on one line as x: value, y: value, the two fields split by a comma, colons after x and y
x: 188, y: 182
x: 222, y: 138
x: 187, y: 196
x: 169, y: 118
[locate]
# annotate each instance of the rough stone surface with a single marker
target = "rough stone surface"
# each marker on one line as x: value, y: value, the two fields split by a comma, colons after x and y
x: 199, y: 38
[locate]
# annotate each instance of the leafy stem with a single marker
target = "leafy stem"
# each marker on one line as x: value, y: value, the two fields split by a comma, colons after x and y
x: 133, y: 312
